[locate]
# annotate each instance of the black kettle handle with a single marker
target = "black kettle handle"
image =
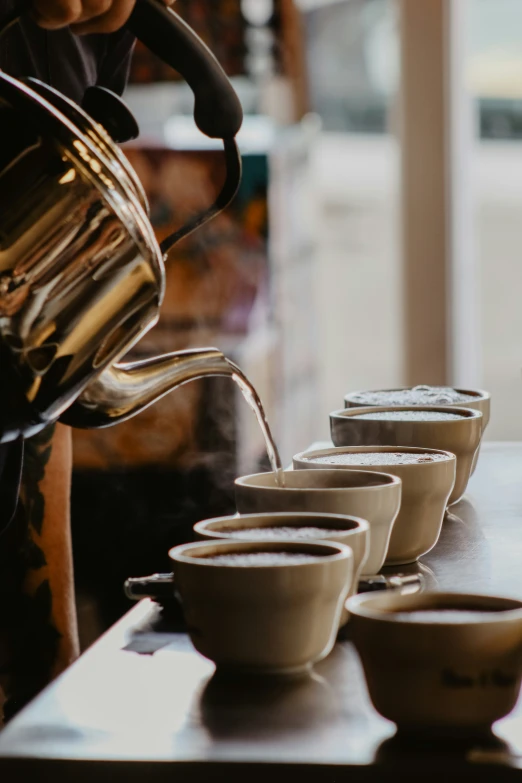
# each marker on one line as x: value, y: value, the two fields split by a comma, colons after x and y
x: 217, y: 110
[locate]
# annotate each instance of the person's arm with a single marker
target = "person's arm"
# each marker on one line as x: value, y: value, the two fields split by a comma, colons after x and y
x: 39, y: 635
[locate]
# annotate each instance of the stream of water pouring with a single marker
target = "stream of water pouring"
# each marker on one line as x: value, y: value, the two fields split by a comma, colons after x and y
x: 253, y: 400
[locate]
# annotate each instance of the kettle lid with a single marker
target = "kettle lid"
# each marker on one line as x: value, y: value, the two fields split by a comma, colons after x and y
x: 95, y: 131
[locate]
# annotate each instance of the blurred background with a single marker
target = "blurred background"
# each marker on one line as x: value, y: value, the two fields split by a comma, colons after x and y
x: 374, y: 243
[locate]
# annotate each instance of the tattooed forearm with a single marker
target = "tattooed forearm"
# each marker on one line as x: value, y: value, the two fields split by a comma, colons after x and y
x: 39, y: 551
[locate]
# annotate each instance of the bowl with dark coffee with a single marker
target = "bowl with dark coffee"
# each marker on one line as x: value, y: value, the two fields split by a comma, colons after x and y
x: 267, y: 607
x: 427, y: 476
x: 439, y: 663
x: 457, y: 430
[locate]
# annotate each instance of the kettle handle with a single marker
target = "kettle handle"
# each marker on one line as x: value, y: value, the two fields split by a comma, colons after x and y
x: 217, y: 111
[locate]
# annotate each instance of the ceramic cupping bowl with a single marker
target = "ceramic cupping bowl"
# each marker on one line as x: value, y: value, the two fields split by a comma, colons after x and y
x: 481, y: 401
x: 263, y: 618
x: 460, y: 436
x: 435, y: 675
x: 426, y: 488
x: 375, y: 497
x: 349, y: 530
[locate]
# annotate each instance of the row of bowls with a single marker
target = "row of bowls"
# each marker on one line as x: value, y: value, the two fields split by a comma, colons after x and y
x: 404, y: 504
x: 437, y: 663
x: 282, y: 617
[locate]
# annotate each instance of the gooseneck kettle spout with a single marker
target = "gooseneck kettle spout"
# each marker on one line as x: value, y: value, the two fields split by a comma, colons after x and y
x: 124, y: 390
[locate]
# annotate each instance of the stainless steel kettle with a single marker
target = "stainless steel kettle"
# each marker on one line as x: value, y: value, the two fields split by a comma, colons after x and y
x: 81, y: 274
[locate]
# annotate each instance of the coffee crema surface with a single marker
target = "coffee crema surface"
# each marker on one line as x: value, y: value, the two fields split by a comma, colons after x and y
x: 376, y: 458
x: 256, y: 559
x: 284, y: 531
x: 418, y: 395
x: 409, y: 416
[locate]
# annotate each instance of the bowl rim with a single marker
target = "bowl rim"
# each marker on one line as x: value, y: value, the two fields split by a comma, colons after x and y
x: 464, y: 413
x: 361, y: 526
x: 449, y: 455
x: 390, y: 481
x: 480, y: 394
x: 342, y: 552
x: 361, y: 606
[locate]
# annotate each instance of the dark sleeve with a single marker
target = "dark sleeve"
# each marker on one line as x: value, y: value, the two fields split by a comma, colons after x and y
x: 114, y: 67
x: 68, y: 62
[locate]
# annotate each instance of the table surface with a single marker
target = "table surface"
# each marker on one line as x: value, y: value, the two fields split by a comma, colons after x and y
x: 141, y: 699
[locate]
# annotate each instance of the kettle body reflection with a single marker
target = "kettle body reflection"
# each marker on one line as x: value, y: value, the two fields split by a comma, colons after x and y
x: 81, y: 274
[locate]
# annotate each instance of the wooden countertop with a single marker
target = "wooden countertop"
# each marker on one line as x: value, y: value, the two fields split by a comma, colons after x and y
x: 141, y: 704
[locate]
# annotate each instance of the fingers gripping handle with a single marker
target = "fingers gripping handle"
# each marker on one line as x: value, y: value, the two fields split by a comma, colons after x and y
x: 217, y: 110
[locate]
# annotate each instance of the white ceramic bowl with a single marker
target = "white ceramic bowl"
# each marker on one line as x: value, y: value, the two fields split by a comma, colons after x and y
x: 437, y: 675
x: 481, y: 401
x: 426, y: 488
x: 269, y: 619
x: 460, y: 436
x: 352, y: 531
x: 375, y: 497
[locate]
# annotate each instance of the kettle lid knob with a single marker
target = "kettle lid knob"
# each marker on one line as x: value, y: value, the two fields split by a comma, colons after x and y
x: 108, y: 109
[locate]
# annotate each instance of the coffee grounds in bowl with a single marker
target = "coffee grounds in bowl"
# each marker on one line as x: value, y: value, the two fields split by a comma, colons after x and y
x: 376, y: 458
x: 418, y: 395
x: 450, y: 616
x: 260, y: 533
x: 409, y: 416
x: 249, y: 559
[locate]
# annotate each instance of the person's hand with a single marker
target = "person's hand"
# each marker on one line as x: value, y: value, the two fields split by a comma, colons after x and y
x: 84, y: 16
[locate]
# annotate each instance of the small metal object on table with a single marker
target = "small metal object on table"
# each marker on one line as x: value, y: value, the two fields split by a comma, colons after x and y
x: 161, y: 587
x: 141, y: 704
